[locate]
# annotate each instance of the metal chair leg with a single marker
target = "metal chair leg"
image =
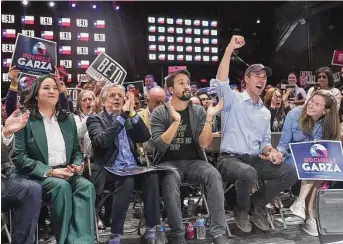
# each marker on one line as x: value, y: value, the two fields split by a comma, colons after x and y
x: 96, y: 227
x: 4, y: 227
x: 281, y: 212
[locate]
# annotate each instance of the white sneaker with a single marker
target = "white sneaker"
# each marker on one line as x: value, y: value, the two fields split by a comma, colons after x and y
x: 298, y: 208
x: 310, y: 227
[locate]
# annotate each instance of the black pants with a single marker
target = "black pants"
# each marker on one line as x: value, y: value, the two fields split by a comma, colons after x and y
x: 24, y: 197
x: 124, y: 186
x: 245, y: 170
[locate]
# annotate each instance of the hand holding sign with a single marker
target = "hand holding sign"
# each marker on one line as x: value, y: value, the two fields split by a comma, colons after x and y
x: 13, y: 76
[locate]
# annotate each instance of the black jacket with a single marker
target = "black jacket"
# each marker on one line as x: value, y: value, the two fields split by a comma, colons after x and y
x: 104, y: 134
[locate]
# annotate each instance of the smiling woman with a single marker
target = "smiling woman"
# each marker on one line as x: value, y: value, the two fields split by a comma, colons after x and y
x: 47, y: 151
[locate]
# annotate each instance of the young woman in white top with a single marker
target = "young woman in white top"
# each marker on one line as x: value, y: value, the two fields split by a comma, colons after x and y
x: 324, y: 79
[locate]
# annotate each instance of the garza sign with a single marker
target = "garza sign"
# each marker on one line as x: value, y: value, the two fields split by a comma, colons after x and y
x: 34, y: 55
x: 105, y: 68
x: 337, y: 58
x: 319, y: 160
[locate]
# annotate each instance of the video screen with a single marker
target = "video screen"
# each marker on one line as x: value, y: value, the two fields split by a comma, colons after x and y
x: 182, y: 40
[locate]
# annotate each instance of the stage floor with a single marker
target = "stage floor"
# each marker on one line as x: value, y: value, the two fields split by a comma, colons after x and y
x: 292, y: 235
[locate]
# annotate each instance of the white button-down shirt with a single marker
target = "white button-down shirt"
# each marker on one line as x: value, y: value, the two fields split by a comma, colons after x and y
x: 56, y: 145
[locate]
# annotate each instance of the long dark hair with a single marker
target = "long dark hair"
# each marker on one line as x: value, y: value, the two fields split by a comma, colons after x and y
x: 30, y: 101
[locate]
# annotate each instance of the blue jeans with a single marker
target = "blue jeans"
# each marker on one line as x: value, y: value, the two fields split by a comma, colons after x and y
x: 24, y: 198
x: 198, y: 172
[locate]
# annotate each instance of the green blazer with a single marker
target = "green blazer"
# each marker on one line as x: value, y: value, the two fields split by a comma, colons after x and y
x: 31, y: 148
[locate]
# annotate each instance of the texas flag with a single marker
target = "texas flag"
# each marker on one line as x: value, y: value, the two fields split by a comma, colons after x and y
x: 214, y: 41
x: 189, y: 31
x: 180, y: 57
x: 197, y: 58
x: 69, y: 78
x: 206, y: 32
x: 83, y: 64
x: 64, y: 50
x: 171, y: 29
x: 179, y: 39
x: 160, y: 20
x: 152, y: 47
x: 197, y: 40
x: 152, y: 29
x: 6, y: 62
x: 161, y: 38
x: 196, y: 22
x: 48, y: 35
x: 99, y: 23
x: 189, y: 48
x: 82, y: 36
x: 179, y: 21
x: 99, y: 50
x: 171, y: 48
x: 162, y: 57
x: 8, y: 33
x: 28, y: 20
x: 214, y: 23
x: 214, y: 58
x: 206, y: 49
x: 65, y: 22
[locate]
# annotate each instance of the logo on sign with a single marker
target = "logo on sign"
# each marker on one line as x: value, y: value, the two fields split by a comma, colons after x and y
x: 320, y: 160
x: 66, y: 63
x: 318, y: 150
x: 65, y: 36
x: 28, y: 33
x: 99, y: 37
x: 7, y: 18
x: 81, y: 22
x: 82, y: 50
x: 25, y: 82
x: 45, y: 20
x: 7, y: 48
x: 39, y: 49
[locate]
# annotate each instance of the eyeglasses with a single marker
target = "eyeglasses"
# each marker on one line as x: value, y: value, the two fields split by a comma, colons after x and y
x: 322, y: 77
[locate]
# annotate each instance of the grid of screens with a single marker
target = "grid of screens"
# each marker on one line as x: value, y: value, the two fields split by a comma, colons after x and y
x: 79, y: 40
x: 182, y: 40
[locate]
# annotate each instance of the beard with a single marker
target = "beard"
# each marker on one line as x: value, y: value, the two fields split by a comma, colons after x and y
x: 186, y: 95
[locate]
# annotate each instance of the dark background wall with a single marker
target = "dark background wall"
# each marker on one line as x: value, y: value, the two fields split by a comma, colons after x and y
x: 127, y: 42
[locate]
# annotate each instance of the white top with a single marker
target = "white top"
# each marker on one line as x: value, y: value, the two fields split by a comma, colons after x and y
x: 6, y: 141
x: 334, y: 91
x: 299, y: 90
x: 56, y: 144
x: 82, y: 134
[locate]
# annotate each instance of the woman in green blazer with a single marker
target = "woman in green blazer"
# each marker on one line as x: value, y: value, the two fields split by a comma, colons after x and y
x: 47, y: 150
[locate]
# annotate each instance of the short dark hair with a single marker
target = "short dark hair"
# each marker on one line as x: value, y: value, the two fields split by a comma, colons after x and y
x: 30, y: 101
x: 170, y: 78
x: 194, y: 83
x: 328, y: 72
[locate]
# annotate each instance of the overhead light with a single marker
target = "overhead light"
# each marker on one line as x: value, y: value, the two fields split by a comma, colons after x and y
x: 25, y: 2
x: 302, y: 21
x: 258, y: 21
x: 73, y: 5
x: 117, y: 7
x: 94, y: 6
x: 51, y: 4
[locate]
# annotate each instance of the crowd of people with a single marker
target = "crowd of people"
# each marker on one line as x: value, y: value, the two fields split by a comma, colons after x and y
x: 60, y: 155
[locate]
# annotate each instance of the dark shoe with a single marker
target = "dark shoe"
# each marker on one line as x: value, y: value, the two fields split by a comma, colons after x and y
x: 221, y: 240
x: 259, y: 218
x: 242, y: 220
x: 145, y: 241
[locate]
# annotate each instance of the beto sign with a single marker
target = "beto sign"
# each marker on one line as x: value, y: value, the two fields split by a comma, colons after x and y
x: 34, y: 55
x: 105, y: 68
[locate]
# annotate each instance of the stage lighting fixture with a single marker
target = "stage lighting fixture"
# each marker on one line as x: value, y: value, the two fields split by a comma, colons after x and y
x: 94, y: 6
x: 25, y: 2
x: 258, y: 21
x: 73, y: 5
x: 117, y: 8
x: 51, y: 4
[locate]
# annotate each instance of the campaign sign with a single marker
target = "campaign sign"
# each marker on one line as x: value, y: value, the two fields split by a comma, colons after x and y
x: 74, y: 92
x: 337, y: 58
x: 26, y: 81
x: 34, y: 55
x: 139, y: 85
x: 318, y: 160
x: 105, y: 68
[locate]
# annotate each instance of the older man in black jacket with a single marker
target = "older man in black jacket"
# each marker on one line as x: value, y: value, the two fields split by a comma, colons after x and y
x: 114, y: 134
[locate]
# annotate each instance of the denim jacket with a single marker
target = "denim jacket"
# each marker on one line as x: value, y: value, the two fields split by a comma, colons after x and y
x: 293, y: 133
